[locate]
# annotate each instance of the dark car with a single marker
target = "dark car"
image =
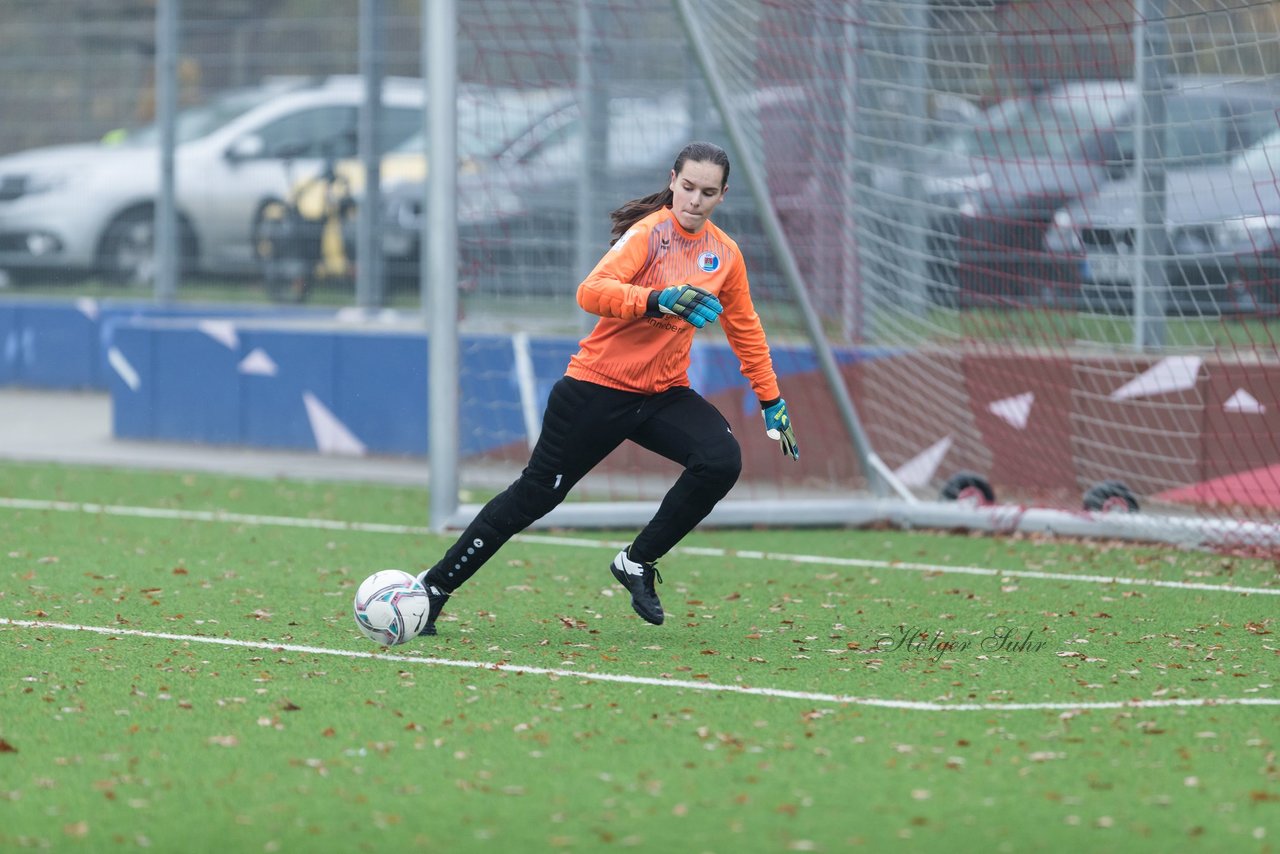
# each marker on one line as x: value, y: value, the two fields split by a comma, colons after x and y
x: 993, y: 193
x: 1222, y: 232
x: 517, y: 215
x: 516, y: 211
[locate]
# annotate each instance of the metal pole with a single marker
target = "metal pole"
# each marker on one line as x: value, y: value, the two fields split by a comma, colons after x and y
x: 593, y: 104
x: 438, y: 266
x: 877, y: 476
x: 165, y: 226
x: 368, y: 246
x: 1151, y: 237
x: 913, y: 52
x: 851, y: 177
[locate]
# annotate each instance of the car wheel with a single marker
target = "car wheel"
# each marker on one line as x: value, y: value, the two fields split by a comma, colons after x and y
x: 127, y: 252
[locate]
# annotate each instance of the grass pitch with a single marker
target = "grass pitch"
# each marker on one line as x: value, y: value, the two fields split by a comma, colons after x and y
x: 843, y: 690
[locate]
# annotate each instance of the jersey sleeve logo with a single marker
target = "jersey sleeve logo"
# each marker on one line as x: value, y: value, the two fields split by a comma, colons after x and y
x: 708, y: 262
x: 622, y: 241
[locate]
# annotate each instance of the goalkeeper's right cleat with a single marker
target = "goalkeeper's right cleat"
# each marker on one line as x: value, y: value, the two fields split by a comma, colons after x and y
x: 437, y: 597
x: 638, y: 578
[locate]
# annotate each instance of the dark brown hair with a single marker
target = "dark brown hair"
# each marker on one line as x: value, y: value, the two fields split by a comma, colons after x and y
x: 637, y: 209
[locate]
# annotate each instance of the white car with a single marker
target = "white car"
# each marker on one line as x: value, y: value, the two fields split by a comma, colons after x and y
x: 90, y: 207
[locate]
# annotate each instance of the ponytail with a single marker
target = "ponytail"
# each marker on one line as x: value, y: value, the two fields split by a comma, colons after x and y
x: 637, y: 209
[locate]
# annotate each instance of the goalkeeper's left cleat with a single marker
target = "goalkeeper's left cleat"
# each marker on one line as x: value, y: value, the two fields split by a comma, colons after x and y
x: 777, y: 425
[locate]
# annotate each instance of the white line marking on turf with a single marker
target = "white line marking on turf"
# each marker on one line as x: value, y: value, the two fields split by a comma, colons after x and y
x: 713, y: 687
x: 903, y: 566
x: 575, y: 542
x: 207, y: 516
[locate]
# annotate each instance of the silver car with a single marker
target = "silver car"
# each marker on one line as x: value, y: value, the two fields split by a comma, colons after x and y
x: 90, y: 207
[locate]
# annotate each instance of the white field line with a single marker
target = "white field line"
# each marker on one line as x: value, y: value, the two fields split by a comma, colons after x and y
x: 586, y: 676
x: 578, y: 542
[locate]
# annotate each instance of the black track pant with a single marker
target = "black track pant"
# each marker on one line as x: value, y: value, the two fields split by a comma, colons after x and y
x: 582, y: 424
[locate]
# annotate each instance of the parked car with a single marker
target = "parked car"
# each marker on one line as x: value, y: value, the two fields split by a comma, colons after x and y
x: 1222, y: 225
x: 994, y: 189
x: 517, y: 215
x: 89, y: 207
x: 311, y: 233
x: 516, y: 211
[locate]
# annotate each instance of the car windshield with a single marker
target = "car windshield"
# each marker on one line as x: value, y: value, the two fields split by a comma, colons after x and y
x: 642, y: 133
x: 479, y: 135
x: 198, y: 122
x: 1261, y: 158
x: 1053, y: 125
x: 488, y: 120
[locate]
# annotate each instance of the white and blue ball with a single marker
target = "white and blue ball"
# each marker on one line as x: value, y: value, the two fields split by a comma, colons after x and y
x: 391, y: 607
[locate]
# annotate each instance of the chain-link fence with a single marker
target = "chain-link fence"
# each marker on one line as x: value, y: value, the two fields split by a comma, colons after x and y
x: 1001, y: 215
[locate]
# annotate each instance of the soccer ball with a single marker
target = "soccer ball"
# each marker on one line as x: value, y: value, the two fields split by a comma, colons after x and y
x: 391, y: 607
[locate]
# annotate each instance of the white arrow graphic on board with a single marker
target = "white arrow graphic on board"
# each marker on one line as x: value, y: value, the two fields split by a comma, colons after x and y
x: 1242, y: 401
x: 222, y: 331
x: 332, y: 436
x: 122, y: 368
x: 919, y: 470
x: 1014, y: 410
x: 259, y: 363
x: 1175, y: 373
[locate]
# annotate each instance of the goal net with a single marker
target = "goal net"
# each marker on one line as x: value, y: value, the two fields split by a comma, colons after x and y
x: 1023, y: 250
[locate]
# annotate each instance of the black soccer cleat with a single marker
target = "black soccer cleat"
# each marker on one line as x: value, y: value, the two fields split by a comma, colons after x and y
x: 437, y: 597
x: 638, y: 579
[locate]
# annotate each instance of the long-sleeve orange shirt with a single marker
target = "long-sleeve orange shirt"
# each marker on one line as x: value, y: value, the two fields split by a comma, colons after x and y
x: 629, y: 351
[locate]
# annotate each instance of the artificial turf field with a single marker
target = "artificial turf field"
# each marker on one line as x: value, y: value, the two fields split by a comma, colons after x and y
x: 180, y: 671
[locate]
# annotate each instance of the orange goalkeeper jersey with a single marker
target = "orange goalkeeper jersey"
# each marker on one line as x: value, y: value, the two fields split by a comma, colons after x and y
x: 632, y: 352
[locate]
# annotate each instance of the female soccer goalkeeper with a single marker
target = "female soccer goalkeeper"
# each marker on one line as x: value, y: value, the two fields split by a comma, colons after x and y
x: 669, y: 273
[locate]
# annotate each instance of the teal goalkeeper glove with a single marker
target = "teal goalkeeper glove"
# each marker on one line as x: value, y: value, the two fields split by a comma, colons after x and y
x: 777, y: 425
x: 689, y: 303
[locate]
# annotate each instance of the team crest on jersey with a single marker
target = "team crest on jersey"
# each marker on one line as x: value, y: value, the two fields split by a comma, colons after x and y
x: 708, y: 262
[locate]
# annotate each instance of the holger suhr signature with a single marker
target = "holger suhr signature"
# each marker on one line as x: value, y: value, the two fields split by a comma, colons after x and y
x: 935, y: 644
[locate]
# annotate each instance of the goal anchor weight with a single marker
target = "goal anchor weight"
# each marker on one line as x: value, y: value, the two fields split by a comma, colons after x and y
x: 1110, y: 496
x: 970, y: 487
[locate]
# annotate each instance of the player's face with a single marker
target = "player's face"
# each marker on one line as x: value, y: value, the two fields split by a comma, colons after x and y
x: 696, y: 191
